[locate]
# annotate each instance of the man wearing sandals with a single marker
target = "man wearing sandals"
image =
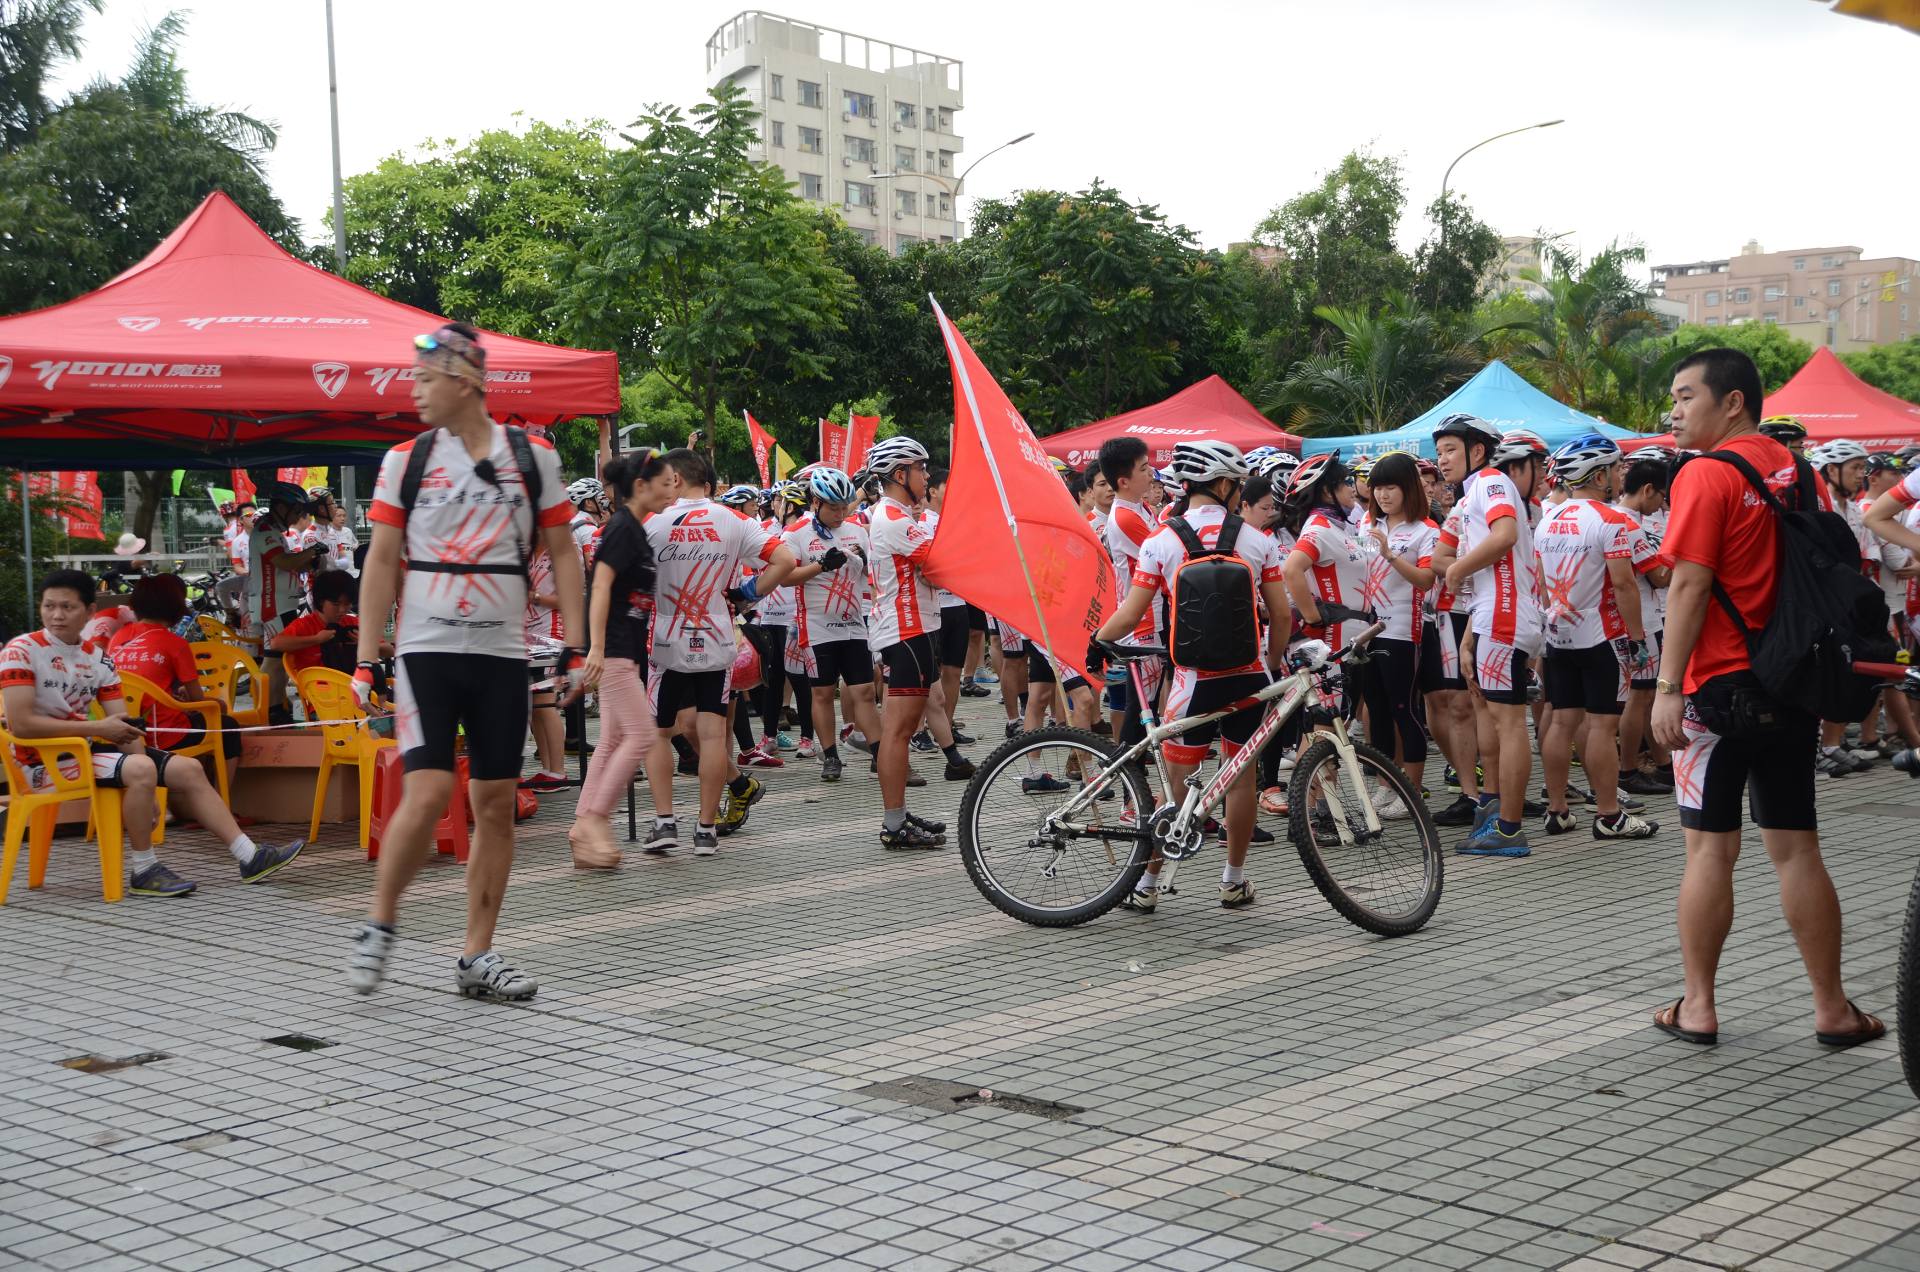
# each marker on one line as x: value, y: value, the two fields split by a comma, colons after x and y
x: 1718, y: 531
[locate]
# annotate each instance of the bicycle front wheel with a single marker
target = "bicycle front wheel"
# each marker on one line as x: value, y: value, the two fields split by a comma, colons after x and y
x: 1906, y: 993
x: 1068, y: 874
x: 1386, y: 881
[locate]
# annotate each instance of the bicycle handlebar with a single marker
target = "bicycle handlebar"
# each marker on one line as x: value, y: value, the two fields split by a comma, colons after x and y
x: 1889, y: 671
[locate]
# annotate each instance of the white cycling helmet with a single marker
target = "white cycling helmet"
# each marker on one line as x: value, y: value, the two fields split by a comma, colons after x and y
x: 1258, y: 454
x: 830, y: 485
x: 894, y: 453
x: 1580, y: 458
x: 1660, y: 453
x: 1516, y: 445
x: 1469, y: 429
x: 586, y: 490
x: 1198, y: 463
x: 1276, y: 467
x: 740, y: 497
x: 1836, y: 452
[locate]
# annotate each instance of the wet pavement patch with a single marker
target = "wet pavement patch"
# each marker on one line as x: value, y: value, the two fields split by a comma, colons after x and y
x: 109, y: 1064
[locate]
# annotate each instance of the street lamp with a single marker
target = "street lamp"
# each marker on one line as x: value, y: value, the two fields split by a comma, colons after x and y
x: 954, y: 186
x: 1445, y: 180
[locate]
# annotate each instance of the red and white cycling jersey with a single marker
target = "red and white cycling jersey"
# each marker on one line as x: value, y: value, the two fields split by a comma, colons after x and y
x: 1653, y: 600
x: 1097, y: 518
x: 903, y: 603
x: 1401, y: 605
x: 1576, y: 541
x: 1445, y: 599
x: 942, y: 599
x: 66, y: 679
x: 1871, y: 554
x: 542, y: 623
x: 1341, y: 559
x: 586, y: 537
x: 777, y: 608
x: 1162, y: 556
x: 1505, y: 602
x: 272, y: 589
x: 832, y: 605
x: 1129, y: 526
x: 699, y: 550
x: 460, y: 519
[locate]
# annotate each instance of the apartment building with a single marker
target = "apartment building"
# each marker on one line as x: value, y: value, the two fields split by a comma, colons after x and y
x: 1833, y: 296
x: 857, y: 124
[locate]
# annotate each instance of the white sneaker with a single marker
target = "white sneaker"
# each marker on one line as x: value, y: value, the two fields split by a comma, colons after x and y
x: 490, y: 976
x: 1393, y: 808
x: 371, y: 947
x: 1286, y: 762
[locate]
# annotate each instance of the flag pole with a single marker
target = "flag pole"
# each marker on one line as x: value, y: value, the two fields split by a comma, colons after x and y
x: 993, y: 466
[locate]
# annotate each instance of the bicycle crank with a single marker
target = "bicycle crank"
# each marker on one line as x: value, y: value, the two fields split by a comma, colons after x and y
x: 1175, y: 845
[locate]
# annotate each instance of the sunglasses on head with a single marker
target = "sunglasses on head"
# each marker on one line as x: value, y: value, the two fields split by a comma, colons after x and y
x: 453, y: 342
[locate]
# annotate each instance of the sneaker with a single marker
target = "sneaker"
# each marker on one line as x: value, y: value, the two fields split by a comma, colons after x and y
x: 268, y: 858
x: 1484, y: 813
x: 783, y: 741
x: 985, y: 677
x: 1045, y: 784
x: 1260, y: 835
x: 1013, y: 728
x: 1452, y: 778
x: 1273, y: 801
x: 1562, y: 823
x: 931, y: 827
x: 490, y: 976
x: 545, y: 782
x: 1888, y: 748
x: 665, y: 836
x: 1488, y: 841
x: 1865, y: 756
x: 761, y: 757
x: 1833, y: 764
x: 1286, y: 762
x: 688, y: 766
x: 1140, y: 902
x: 158, y: 881
x: 1639, y: 783
x: 1233, y: 896
x: 371, y: 946
x: 1458, y: 813
x: 908, y: 837
x: 1393, y: 808
x: 1625, y: 826
x: 831, y: 767
x: 1533, y: 808
x: 706, y: 842
x: 923, y: 742
x: 858, y: 741
x: 962, y: 738
x: 972, y: 690
x: 807, y: 749
x: 734, y: 815
x: 959, y: 770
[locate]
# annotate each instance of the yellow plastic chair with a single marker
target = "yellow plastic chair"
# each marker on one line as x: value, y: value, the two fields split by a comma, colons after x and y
x: 32, y: 810
x: 216, y: 630
x: 329, y: 696
x: 221, y: 666
x: 140, y: 691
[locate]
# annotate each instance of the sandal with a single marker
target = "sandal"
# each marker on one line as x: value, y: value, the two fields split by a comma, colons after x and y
x: 593, y: 851
x: 1667, y: 1021
x: 1872, y: 1027
x: 1273, y: 802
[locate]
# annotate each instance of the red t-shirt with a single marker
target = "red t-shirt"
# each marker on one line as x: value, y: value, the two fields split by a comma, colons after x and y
x: 311, y: 624
x: 1719, y: 522
x: 155, y: 653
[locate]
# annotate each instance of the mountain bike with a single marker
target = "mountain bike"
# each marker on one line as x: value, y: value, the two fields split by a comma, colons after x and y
x: 1058, y: 824
x: 1906, y: 991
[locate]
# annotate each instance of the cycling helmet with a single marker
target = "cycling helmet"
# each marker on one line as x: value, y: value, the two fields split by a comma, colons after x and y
x: 1427, y: 468
x: 285, y: 492
x: 1258, y: 455
x: 1310, y: 471
x: 740, y: 497
x: 1836, y: 452
x: 1910, y: 452
x: 1661, y: 453
x: 1061, y: 468
x: 1362, y: 466
x: 1888, y: 462
x: 1276, y: 467
x: 1783, y: 428
x: 585, y: 491
x: 229, y: 509
x: 790, y: 493
x: 830, y: 485
x: 319, y: 494
x: 1580, y: 458
x: 1517, y: 445
x: 893, y: 454
x: 1469, y: 429
x: 1198, y: 463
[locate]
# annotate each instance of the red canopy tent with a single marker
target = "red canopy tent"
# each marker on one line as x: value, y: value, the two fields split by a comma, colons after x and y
x: 1210, y: 409
x: 1834, y: 403
x: 220, y: 349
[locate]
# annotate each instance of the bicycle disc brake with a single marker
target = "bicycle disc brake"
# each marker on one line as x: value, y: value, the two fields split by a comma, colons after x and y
x: 1173, y: 845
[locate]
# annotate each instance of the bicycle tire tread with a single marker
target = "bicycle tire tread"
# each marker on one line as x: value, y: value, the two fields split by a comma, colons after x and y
x: 1300, y: 804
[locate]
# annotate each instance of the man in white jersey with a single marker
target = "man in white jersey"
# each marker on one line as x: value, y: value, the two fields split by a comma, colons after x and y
x: 1496, y: 554
x: 1642, y: 497
x: 831, y: 597
x: 462, y: 507
x: 1595, y: 634
x: 700, y: 550
x: 1842, y: 465
x: 274, y: 591
x: 1125, y: 463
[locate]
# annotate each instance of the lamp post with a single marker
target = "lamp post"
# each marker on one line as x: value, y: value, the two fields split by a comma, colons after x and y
x: 955, y: 185
x: 1446, y: 179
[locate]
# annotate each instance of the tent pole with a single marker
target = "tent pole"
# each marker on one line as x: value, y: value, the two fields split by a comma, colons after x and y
x: 26, y: 537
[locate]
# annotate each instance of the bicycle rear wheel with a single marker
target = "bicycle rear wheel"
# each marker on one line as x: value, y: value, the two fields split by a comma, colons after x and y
x: 1906, y: 993
x: 1386, y: 881
x: 1055, y: 879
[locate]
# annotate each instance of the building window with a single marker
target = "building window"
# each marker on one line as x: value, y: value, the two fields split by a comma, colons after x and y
x: 859, y: 105
x: 1799, y: 302
x: 861, y: 150
x: 776, y: 88
x: 859, y: 194
x: 1799, y: 262
x: 810, y: 94
x: 946, y: 163
x: 777, y: 133
x: 812, y: 186
x: 946, y: 204
x: 1713, y: 322
x: 906, y: 202
x: 1833, y: 287
x: 1772, y: 320
x: 1865, y: 283
x: 1711, y: 298
x: 946, y: 118
x: 1826, y: 262
x: 930, y: 160
x: 809, y: 140
x: 1741, y: 295
x: 1903, y: 313
x: 866, y: 234
x: 906, y: 113
x: 901, y: 242
x: 1773, y: 292
x: 903, y: 158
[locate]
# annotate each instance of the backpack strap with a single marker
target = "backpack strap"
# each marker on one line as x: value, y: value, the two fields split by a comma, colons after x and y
x: 1805, y: 491
x: 1229, y: 535
x: 522, y: 447
x: 1188, y: 539
x: 422, y: 455
x: 417, y: 460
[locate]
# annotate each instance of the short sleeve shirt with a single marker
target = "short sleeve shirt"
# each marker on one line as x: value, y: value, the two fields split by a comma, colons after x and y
x: 832, y: 605
x: 1505, y: 604
x: 156, y: 654
x: 904, y: 605
x: 699, y: 549
x: 1162, y: 555
x: 66, y: 679
x: 624, y: 549
x: 311, y: 624
x: 1129, y: 526
x: 461, y: 519
x: 1576, y: 542
x: 1401, y: 605
x: 1341, y: 560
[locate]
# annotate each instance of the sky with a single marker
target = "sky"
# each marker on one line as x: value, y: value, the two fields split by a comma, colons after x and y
x: 1691, y: 125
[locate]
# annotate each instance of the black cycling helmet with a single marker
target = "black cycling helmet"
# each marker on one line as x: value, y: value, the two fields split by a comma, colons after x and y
x: 286, y: 492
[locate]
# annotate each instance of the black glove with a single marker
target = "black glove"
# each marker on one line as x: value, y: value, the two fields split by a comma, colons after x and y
x: 1096, y: 656
x: 738, y: 598
x: 832, y: 559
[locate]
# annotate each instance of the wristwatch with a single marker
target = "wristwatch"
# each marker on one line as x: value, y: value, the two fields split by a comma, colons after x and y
x: 1665, y: 686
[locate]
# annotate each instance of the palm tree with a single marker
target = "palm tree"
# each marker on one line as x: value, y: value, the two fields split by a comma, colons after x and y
x: 1579, y: 315
x: 1642, y: 376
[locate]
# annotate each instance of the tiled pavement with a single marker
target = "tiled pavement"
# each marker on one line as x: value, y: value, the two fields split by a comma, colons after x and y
x: 694, y: 1086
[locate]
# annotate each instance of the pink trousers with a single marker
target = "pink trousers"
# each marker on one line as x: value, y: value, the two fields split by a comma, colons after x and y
x: 626, y: 731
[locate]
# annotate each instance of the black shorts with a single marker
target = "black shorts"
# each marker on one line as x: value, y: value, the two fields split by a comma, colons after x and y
x: 1428, y: 671
x: 1653, y: 665
x: 911, y: 667
x: 438, y: 696
x: 1589, y: 679
x: 954, y: 633
x: 838, y: 661
x: 1501, y: 671
x: 1775, y: 769
x: 1447, y: 669
x: 675, y: 691
x: 229, y: 740
x: 109, y: 760
x: 1040, y: 670
x: 976, y: 619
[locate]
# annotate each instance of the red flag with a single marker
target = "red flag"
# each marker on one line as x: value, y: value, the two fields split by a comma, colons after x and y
x: 84, y: 503
x: 762, y: 445
x: 860, y: 431
x: 243, y: 491
x: 833, y: 445
x: 1042, y: 570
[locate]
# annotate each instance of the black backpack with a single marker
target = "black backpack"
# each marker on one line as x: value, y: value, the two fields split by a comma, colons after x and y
x: 1827, y: 614
x: 422, y: 454
x: 1215, y: 611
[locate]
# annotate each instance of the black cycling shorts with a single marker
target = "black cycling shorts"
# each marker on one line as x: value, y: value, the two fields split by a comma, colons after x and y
x: 1427, y: 675
x: 1774, y: 768
x: 229, y: 740
x: 976, y: 619
x: 438, y: 695
x: 838, y: 661
x: 1589, y: 679
x: 911, y: 667
x: 954, y: 633
x: 1653, y: 664
x: 1448, y: 672
x: 1040, y: 671
x: 675, y: 691
x: 1190, y: 695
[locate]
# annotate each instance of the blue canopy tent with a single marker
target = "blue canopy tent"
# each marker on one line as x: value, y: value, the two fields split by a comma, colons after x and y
x: 1496, y: 395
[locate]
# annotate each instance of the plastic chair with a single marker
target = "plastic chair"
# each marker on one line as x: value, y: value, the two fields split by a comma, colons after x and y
x: 449, y: 833
x: 140, y: 691
x: 216, y: 630
x: 220, y: 666
x: 34, y: 809
x: 329, y: 695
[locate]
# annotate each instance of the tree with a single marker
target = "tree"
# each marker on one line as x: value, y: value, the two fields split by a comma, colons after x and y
x: 704, y: 267
x: 1385, y: 367
x: 1778, y: 354
x: 1451, y: 267
x: 1579, y: 314
x: 35, y: 37
x: 1339, y: 237
x: 1893, y: 367
x: 1090, y: 305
